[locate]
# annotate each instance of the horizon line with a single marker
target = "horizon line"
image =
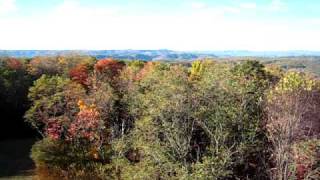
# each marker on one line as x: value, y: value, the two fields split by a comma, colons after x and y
x: 290, y: 50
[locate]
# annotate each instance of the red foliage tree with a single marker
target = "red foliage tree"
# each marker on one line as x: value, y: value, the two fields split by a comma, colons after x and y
x: 54, y: 129
x: 14, y: 64
x: 109, y: 66
x: 80, y: 74
x: 86, y: 125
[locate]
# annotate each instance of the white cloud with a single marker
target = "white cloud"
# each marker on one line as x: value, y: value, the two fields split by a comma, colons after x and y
x: 71, y: 9
x: 312, y: 21
x: 248, y: 5
x: 229, y: 9
x: 74, y: 26
x: 7, y: 6
x: 198, y: 5
x: 277, y: 5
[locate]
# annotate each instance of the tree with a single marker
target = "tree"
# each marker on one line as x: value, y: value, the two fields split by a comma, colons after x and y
x: 14, y: 64
x: 71, y: 61
x: 80, y: 74
x: 147, y: 68
x: 14, y: 85
x: 58, y: 65
x: 52, y: 97
x: 229, y: 101
x: 196, y: 69
x: 109, y: 67
x: 250, y: 82
x: 292, y: 117
x: 44, y: 65
x: 164, y: 133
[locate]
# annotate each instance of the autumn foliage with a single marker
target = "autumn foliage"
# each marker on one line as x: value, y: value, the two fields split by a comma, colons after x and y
x: 147, y: 68
x: 54, y: 128
x: 80, y: 74
x: 86, y: 123
x: 14, y: 64
x: 109, y: 66
x: 108, y: 119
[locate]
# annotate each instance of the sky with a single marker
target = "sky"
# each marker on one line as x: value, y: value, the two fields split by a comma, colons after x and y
x: 184, y: 25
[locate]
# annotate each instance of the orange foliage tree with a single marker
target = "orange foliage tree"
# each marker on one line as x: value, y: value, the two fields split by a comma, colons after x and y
x: 148, y: 67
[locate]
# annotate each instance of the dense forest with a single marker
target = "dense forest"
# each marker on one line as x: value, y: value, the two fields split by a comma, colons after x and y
x: 206, y: 119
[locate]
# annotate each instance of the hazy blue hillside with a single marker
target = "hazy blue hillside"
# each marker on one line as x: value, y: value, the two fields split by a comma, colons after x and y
x: 264, y: 53
x: 164, y: 54
x: 146, y: 55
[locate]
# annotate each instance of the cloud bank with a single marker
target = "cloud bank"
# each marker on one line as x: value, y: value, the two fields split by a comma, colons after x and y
x: 72, y: 25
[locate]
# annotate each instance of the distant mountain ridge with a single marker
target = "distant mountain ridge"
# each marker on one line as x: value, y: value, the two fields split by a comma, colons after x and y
x: 162, y: 54
x: 147, y: 55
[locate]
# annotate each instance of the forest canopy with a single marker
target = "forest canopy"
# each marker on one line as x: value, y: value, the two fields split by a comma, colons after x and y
x: 206, y: 119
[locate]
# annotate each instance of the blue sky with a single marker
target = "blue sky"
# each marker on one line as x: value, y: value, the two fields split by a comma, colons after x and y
x: 160, y: 24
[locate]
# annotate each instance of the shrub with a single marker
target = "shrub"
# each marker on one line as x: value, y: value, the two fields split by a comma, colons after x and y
x: 57, y: 159
x: 306, y: 159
